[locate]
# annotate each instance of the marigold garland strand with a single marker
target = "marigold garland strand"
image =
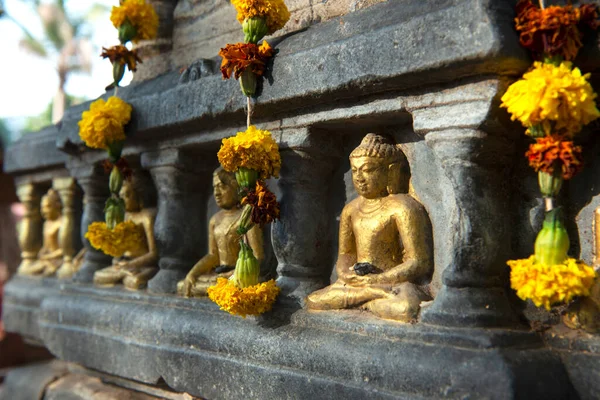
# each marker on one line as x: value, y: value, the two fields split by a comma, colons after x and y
x: 252, y: 155
x: 553, y: 101
x: 103, y: 127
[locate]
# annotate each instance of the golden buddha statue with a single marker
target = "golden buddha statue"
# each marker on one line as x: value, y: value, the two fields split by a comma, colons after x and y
x: 385, y: 239
x: 135, y: 268
x: 50, y: 255
x: 584, y: 313
x: 223, y: 240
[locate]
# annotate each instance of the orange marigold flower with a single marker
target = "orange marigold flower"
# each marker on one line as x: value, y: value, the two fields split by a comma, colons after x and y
x: 555, y: 30
x: 550, y: 152
x: 240, y: 56
x: 122, y: 55
x: 265, y: 208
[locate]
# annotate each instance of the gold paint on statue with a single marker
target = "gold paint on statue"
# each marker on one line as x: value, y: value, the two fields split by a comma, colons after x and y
x: 584, y: 313
x: 135, y: 268
x: 223, y: 240
x: 67, y: 189
x: 50, y: 255
x: 383, y: 227
x: 30, y: 232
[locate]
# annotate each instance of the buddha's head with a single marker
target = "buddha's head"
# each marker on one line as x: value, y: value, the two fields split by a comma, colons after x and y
x: 379, y: 167
x: 51, y: 205
x: 225, y: 189
x: 130, y: 196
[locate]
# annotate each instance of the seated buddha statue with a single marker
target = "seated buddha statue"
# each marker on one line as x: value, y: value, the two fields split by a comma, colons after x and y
x: 584, y: 312
x: 385, y: 239
x: 50, y: 255
x: 135, y: 268
x: 223, y: 240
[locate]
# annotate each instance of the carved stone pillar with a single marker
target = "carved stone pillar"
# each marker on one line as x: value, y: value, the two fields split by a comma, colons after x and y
x: 30, y: 235
x: 180, y: 228
x: 303, y: 237
x: 69, y: 235
x: 477, y: 165
x: 93, y: 180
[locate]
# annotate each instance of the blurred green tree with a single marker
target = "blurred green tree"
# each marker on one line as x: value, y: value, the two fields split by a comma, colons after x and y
x: 64, y: 40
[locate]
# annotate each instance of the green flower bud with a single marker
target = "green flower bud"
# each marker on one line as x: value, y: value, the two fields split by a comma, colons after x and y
x: 550, y: 184
x: 115, y: 181
x: 118, y: 72
x: 126, y: 32
x: 552, y: 243
x: 114, y: 151
x: 114, y: 212
x: 536, y: 131
x: 248, y: 83
x: 247, y: 267
x: 245, y: 222
x: 254, y: 28
x: 246, y: 179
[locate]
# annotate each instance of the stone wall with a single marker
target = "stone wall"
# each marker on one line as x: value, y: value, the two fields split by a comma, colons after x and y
x: 201, y: 27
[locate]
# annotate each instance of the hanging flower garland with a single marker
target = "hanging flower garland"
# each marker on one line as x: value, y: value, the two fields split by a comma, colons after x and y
x: 553, y: 100
x: 248, y: 60
x: 253, y: 155
x: 103, y: 127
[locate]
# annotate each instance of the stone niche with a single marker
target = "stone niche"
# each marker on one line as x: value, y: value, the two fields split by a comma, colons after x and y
x: 428, y: 72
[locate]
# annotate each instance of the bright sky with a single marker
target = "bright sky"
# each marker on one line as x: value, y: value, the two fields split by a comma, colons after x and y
x: 28, y: 82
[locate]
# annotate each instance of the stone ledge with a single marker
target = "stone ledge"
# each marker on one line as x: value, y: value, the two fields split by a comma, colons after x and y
x: 23, y: 297
x: 580, y: 354
x: 201, y: 350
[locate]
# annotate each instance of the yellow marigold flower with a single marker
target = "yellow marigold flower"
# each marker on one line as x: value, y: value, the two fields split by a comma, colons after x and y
x: 550, y: 284
x: 253, y: 149
x: 550, y: 93
x: 126, y: 237
x: 275, y: 12
x: 252, y: 300
x: 103, y: 124
x: 140, y: 15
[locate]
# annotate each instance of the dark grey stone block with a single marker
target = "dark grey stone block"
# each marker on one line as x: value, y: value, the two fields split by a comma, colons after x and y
x: 30, y: 382
x: 21, y: 304
x: 201, y: 350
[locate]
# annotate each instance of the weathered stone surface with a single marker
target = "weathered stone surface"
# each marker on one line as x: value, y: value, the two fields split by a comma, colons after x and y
x: 580, y: 353
x: 30, y: 382
x: 21, y: 304
x: 305, y: 355
x: 41, y: 151
x: 203, y: 27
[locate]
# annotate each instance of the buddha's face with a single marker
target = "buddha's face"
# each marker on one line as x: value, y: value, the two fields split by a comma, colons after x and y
x: 370, y: 176
x: 130, y: 198
x: 49, y: 209
x: 225, y: 194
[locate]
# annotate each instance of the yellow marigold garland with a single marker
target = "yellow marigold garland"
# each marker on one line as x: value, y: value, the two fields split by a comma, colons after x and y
x: 103, y: 124
x: 140, y: 15
x: 275, y: 12
x: 252, y: 300
x: 550, y: 93
x: 546, y: 285
x: 126, y: 236
x: 253, y: 149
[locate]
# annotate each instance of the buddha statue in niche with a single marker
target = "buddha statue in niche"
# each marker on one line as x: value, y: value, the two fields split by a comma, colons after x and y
x: 223, y: 240
x: 134, y: 269
x: 50, y: 256
x: 385, y: 251
x: 584, y: 312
